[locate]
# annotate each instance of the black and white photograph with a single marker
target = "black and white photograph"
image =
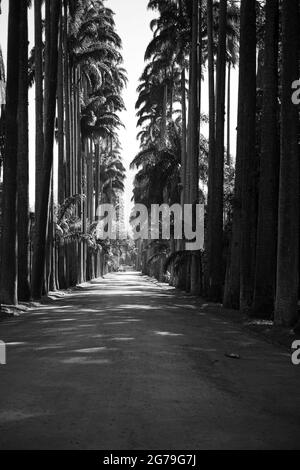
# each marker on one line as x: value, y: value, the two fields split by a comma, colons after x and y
x: 149, y: 229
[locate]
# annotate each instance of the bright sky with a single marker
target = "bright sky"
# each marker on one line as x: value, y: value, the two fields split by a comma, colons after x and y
x: 132, y: 21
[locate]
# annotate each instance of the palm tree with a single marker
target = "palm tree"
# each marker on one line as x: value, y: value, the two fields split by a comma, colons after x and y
x: 184, y: 136
x: 23, y: 163
x: 194, y: 118
x: 61, y: 114
x: 240, y: 269
x: 168, y: 51
x: 39, y: 100
x: 95, y: 55
x: 158, y: 178
x: 217, y: 172
x: 232, y: 47
x: 163, y: 82
x: 91, y: 79
x: 266, y: 245
x: 212, y: 134
x: 67, y: 100
x: 248, y: 152
x: 171, y: 49
x: 288, y: 225
x: 2, y: 80
x: 8, y: 281
x: 2, y: 106
x: 50, y: 106
x: 228, y: 112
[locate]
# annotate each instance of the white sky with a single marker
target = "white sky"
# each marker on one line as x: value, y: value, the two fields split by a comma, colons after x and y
x: 132, y: 21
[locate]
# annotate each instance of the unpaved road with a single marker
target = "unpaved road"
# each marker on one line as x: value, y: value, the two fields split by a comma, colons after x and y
x: 123, y: 363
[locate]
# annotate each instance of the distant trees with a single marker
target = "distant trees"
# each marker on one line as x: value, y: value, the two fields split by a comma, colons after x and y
x: 23, y: 161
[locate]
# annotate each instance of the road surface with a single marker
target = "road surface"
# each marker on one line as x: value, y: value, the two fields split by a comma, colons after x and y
x: 125, y: 364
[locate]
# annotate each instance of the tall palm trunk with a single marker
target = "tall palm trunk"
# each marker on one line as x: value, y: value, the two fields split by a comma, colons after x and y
x: 194, y: 121
x: 183, y: 138
x: 266, y: 247
x: 67, y: 103
x: 23, y: 164
x: 200, y: 45
x: 97, y: 178
x: 71, y: 161
x: 240, y: 251
x: 228, y: 112
x: 8, y: 292
x: 164, y: 117
x: 248, y: 151
x: 60, y: 117
x: 50, y: 94
x: 288, y: 226
x: 194, y: 135
x: 39, y: 101
x: 188, y: 139
x: 58, y: 262
x: 217, y: 174
x: 90, y: 212
x: 46, y: 62
x: 212, y: 133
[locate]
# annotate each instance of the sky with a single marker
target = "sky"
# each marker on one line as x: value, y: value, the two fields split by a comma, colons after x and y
x: 132, y: 23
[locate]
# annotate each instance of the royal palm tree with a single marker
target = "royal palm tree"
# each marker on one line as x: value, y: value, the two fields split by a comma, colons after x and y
x: 215, y: 208
x: 266, y: 245
x: 23, y: 163
x: 2, y: 80
x: 39, y: 101
x: 248, y: 152
x: 51, y: 61
x: 193, y: 133
x: 2, y: 106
